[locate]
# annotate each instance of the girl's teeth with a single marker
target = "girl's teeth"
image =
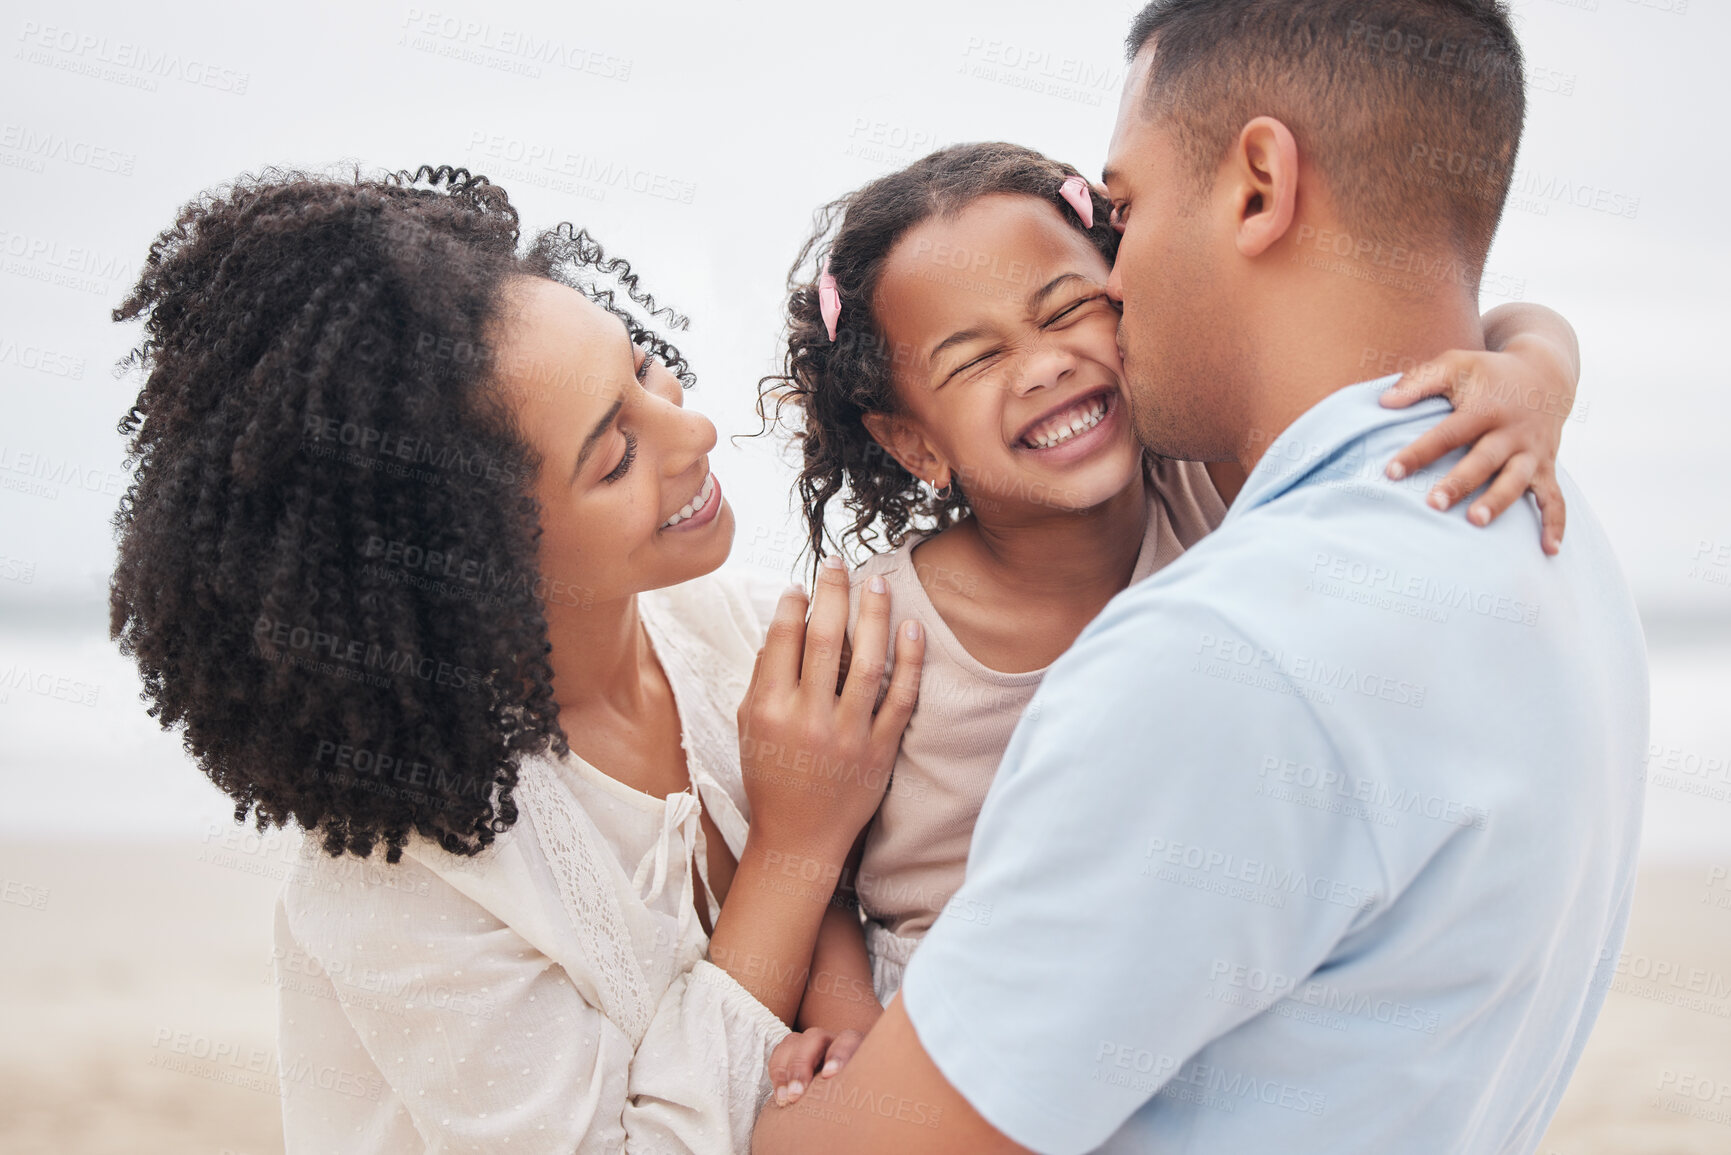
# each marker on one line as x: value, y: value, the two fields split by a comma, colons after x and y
x: 1063, y: 433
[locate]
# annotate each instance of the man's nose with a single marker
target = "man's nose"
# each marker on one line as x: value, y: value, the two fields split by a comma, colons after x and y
x: 1115, y: 285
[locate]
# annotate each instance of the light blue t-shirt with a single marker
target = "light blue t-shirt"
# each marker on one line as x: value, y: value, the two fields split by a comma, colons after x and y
x: 1322, y: 839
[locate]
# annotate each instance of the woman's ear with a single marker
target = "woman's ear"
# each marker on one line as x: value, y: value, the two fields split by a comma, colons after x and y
x: 1266, y: 164
x: 898, y: 437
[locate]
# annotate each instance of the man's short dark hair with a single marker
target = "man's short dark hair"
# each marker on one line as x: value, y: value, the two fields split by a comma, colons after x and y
x: 1410, y: 109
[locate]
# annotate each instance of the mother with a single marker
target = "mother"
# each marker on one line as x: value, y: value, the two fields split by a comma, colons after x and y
x: 416, y: 556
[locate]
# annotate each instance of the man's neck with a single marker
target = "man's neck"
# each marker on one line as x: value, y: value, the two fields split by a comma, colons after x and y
x: 1316, y: 340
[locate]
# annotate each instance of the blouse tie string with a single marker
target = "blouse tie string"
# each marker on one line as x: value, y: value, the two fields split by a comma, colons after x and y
x: 680, y: 817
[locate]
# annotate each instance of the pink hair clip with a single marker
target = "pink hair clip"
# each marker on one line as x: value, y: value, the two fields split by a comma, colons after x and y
x: 829, y: 302
x: 1081, y: 198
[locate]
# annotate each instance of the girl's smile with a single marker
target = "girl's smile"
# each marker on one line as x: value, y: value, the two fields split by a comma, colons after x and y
x: 1075, y: 429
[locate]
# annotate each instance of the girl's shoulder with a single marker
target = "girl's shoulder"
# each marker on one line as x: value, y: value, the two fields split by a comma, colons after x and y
x: 889, y: 563
x: 1193, y: 506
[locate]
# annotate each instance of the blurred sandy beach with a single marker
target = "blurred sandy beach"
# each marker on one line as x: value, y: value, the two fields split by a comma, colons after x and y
x: 137, y: 1007
x: 140, y: 1015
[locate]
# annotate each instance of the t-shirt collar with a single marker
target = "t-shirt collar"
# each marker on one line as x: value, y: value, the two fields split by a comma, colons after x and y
x: 1327, y: 443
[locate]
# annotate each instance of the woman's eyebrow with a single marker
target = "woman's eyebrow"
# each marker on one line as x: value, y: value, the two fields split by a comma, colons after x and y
x: 600, y: 429
x: 595, y: 435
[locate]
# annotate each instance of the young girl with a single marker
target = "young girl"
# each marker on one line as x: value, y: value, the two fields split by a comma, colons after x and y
x: 957, y: 378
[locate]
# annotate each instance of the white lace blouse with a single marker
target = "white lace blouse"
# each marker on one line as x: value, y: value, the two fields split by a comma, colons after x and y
x: 550, y: 994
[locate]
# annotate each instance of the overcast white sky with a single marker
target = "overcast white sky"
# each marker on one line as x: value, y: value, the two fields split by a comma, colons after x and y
x: 747, y: 115
x: 737, y: 119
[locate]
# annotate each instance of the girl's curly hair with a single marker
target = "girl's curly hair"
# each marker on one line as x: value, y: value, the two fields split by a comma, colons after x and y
x: 328, y: 552
x: 833, y: 384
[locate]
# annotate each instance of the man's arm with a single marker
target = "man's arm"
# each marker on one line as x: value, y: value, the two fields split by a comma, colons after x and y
x: 1126, y: 850
x: 889, y: 1097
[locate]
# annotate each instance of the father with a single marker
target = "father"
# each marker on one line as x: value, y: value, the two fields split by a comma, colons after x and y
x: 1321, y: 839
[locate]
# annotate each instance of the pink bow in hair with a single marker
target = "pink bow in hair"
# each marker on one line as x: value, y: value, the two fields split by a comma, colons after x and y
x: 1081, y: 198
x: 829, y: 302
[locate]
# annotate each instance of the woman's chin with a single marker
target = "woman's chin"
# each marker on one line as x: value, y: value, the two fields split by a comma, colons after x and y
x: 702, y: 550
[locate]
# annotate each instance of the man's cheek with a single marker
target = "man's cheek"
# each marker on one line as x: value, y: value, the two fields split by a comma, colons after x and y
x: 1147, y: 277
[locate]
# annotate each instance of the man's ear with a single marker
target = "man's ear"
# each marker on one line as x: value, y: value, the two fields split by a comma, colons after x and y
x: 1265, y: 166
x: 898, y: 437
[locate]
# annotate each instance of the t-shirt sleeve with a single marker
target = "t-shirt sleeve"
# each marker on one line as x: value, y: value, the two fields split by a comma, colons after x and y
x: 1125, y: 855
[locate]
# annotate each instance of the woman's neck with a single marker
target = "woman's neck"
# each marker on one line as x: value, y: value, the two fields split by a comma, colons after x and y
x: 600, y: 656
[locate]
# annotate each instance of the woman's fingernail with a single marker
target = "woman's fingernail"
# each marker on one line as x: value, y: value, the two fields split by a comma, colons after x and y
x: 1396, y: 470
x: 876, y: 585
x: 832, y: 562
x: 1481, y: 515
x: 1437, y: 500
x: 794, y: 588
x: 911, y: 631
x: 794, y: 1090
x: 781, y: 1096
x: 831, y: 1068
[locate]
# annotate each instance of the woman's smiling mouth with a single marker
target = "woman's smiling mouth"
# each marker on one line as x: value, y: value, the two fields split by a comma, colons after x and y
x: 700, y: 509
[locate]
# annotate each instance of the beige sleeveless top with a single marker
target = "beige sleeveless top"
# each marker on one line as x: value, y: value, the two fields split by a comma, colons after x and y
x: 916, y: 848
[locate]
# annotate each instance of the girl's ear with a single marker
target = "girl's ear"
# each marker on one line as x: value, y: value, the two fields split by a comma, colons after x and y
x: 901, y: 440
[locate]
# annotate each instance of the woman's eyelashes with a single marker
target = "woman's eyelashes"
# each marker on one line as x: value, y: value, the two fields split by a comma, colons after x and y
x: 630, y: 455
x: 626, y: 459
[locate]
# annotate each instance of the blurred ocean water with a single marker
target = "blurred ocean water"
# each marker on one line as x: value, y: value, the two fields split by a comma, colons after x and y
x: 81, y: 758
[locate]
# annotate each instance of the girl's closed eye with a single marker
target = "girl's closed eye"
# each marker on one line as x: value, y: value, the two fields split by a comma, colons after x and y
x: 974, y: 364
x: 1073, y: 310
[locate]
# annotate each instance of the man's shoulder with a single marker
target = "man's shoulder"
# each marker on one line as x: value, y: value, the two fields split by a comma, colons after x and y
x: 1317, y: 502
x: 1347, y: 567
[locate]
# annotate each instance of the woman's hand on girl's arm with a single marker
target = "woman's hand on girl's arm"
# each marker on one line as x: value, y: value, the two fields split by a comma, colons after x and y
x: 815, y: 764
x: 1510, y: 405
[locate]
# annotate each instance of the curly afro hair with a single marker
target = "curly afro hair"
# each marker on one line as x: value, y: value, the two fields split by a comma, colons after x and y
x: 317, y: 397
x: 833, y: 384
